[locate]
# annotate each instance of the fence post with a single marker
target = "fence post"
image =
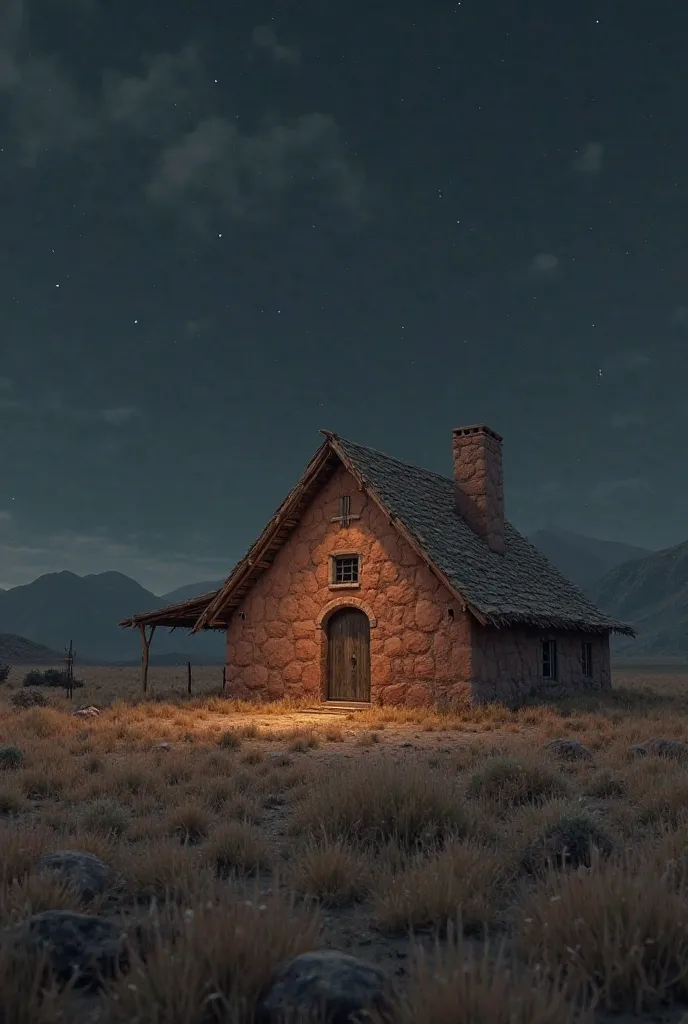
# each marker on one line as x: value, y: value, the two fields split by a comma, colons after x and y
x: 69, y: 669
x: 188, y: 676
x: 224, y: 677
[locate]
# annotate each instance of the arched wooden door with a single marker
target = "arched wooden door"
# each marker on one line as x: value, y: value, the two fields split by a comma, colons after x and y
x: 348, y: 656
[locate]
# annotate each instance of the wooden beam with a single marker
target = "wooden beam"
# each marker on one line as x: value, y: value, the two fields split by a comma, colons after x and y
x: 145, y: 652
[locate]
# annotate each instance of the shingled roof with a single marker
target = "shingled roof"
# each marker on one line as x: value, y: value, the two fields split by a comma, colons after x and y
x: 517, y: 588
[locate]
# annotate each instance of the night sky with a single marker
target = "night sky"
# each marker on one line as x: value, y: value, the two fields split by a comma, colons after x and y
x: 224, y: 226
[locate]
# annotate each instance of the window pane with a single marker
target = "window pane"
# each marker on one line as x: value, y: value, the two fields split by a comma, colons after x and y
x: 346, y: 569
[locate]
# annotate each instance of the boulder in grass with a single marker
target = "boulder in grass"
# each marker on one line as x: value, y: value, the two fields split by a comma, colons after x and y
x: 672, y: 749
x: 86, y: 712
x: 568, y: 750
x: 82, y: 950
x: 85, y: 873
x: 328, y: 985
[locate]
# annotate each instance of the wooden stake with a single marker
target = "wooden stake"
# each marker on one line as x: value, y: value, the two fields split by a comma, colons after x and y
x: 69, y: 669
x: 145, y: 652
x: 224, y: 677
x: 188, y: 676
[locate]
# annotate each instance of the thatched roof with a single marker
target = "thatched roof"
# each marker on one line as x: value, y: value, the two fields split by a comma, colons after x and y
x: 517, y: 588
x: 183, y: 615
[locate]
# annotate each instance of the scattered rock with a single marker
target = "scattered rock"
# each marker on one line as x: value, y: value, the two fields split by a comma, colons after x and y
x: 164, y: 746
x: 341, y: 987
x: 567, y: 749
x: 86, y: 712
x: 84, y: 872
x: 673, y: 749
x: 81, y: 948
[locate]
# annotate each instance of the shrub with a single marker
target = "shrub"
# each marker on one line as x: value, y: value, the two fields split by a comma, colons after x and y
x: 508, y: 782
x: 237, y: 847
x: 457, y: 985
x: 567, y: 842
x: 618, y: 933
x: 163, y: 871
x: 5, y: 673
x: 54, y: 677
x: 211, y: 961
x: 429, y: 892
x: 331, y: 872
x: 10, y: 758
x: 105, y: 817
x: 29, y: 699
x: 11, y: 802
x: 189, y: 823
x: 230, y: 739
x: 407, y: 804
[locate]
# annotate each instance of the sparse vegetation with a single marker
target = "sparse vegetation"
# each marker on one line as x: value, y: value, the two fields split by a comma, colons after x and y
x: 10, y: 758
x: 54, y: 677
x: 238, y: 836
x: 29, y: 699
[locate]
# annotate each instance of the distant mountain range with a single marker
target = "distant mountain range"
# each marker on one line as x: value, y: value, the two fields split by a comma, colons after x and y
x: 647, y: 589
x: 87, y: 610
x: 652, y: 594
x: 17, y: 650
x: 191, y: 590
x: 583, y: 560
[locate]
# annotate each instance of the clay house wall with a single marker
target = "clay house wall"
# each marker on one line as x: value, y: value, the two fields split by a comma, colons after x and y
x: 420, y: 639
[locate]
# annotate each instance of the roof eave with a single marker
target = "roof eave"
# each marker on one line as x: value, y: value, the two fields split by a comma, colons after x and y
x: 253, y: 561
x: 183, y: 614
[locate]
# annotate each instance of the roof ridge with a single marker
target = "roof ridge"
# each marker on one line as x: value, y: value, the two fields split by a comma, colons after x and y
x: 391, y: 458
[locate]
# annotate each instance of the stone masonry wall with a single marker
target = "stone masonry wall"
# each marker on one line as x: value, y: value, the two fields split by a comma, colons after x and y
x: 423, y: 647
x: 277, y: 639
x: 507, y: 664
x: 479, y: 482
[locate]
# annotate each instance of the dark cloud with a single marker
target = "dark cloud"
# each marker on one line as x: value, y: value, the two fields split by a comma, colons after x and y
x: 47, y: 112
x: 156, y: 102
x: 204, y: 164
x: 217, y: 167
x: 265, y: 38
x: 545, y: 264
x: 589, y: 159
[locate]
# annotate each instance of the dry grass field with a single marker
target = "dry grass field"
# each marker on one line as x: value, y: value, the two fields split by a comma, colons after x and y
x: 494, y: 880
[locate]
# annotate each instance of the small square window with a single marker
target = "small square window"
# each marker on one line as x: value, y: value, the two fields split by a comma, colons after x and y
x: 586, y: 658
x: 549, y: 659
x: 345, y: 569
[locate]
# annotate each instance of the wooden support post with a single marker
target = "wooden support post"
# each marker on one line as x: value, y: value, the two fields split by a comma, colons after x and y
x: 224, y: 678
x: 188, y: 676
x: 145, y: 652
x: 69, y: 669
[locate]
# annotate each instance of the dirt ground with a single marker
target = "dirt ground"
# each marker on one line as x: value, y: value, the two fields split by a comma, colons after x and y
x: 380, y: 832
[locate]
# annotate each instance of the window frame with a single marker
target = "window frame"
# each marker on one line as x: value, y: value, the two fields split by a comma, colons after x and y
x: 549, y: 645
x: 586, y: 659
x: 341, y: 556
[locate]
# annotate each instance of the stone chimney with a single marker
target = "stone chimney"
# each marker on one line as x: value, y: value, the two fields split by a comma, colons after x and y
x: 479, y: 484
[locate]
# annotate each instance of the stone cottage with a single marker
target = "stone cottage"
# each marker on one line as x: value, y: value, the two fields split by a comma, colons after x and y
x: 380, y: 582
